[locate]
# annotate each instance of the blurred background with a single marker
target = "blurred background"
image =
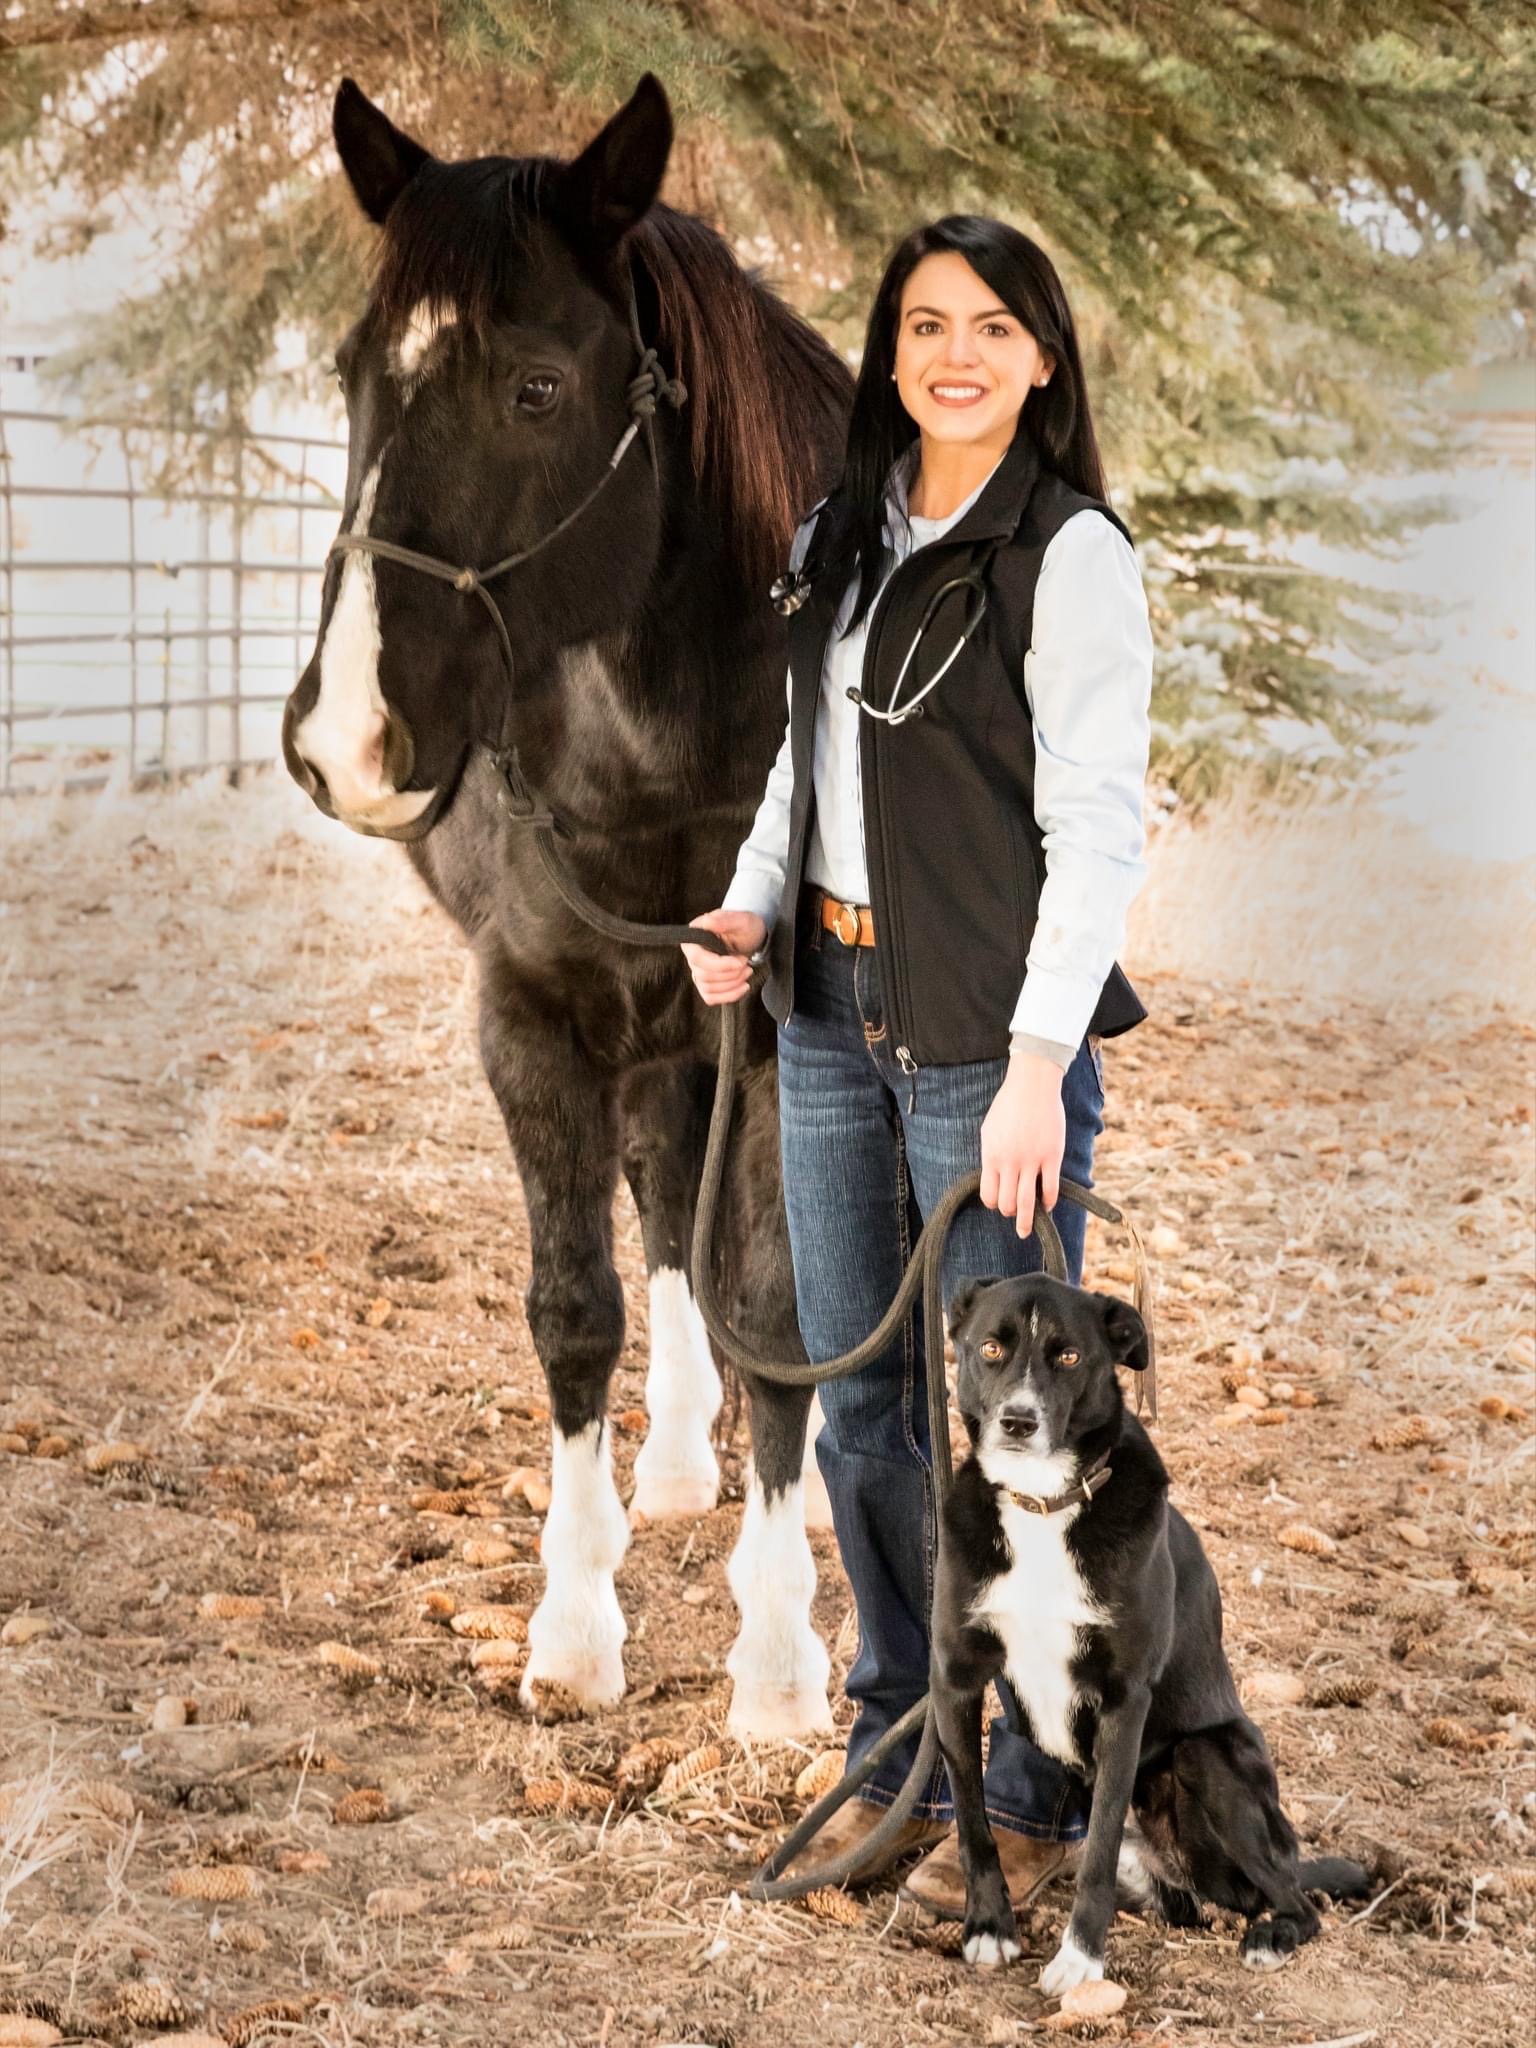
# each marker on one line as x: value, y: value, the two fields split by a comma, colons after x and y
x: 1300, y: 247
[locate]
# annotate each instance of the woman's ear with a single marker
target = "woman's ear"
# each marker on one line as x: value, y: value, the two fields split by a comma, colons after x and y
x: 963, y: 1299
x: 1125, y: 1332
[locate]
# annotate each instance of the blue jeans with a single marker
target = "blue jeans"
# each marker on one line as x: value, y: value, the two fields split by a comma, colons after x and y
x: 861, y: 1171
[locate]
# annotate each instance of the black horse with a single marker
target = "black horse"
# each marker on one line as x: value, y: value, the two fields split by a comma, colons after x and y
x: 638, y: 669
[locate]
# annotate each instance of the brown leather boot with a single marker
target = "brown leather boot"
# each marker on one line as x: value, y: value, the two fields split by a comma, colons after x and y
x: 938, y: 1883
x: 849, y: 1826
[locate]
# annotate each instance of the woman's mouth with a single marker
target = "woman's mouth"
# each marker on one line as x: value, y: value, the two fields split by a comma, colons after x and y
x: 956, y: 394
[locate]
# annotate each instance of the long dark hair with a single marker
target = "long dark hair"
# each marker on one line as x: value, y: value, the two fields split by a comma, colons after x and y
x: 880, y: 429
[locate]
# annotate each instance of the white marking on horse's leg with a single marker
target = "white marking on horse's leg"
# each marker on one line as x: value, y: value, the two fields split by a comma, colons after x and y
x: 778, y: 1666
x: 676, y: 1472
x: 577, y: 1632
x: 818, y: 1502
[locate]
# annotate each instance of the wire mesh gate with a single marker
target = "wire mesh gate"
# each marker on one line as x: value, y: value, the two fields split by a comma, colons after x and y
x: 147, y: 634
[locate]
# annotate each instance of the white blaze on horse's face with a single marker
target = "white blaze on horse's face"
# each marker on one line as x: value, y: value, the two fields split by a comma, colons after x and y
x: 425, y: 323
x: 343, y: 736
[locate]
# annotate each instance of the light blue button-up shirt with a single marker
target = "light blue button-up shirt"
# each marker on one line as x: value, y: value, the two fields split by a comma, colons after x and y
x: 1088, y: 681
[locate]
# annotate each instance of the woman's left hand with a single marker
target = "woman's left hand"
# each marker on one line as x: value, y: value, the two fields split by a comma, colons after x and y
x: 1023, y: 1136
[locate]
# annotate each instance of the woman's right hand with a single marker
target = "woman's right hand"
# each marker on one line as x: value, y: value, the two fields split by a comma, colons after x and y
x: 722, y: 977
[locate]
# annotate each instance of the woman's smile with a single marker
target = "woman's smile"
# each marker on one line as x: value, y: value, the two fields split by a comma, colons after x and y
x: 957, y: 394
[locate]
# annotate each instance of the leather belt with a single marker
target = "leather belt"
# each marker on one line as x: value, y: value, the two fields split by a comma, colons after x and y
x: 854, y: 923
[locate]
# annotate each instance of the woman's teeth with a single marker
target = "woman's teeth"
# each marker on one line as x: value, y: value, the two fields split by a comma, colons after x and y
x: 956, y: 394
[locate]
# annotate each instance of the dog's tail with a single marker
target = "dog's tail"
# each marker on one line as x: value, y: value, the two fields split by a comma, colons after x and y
x: 1335, y: 1875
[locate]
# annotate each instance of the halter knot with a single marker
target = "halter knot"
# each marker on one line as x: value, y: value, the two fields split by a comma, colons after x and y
x: 650, y: 384
x: 467, y: 580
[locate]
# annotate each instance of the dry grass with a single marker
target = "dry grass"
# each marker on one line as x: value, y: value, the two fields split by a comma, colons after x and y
x: 243, y: 1110
x: 1323, y: 895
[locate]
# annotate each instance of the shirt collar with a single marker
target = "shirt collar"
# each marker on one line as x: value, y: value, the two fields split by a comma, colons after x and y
x: 994, y: 508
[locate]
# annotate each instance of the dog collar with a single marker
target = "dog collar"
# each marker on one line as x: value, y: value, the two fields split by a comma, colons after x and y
x: 1080, y: 1495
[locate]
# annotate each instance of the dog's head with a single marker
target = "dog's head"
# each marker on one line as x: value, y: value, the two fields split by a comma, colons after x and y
x: 1036, y: 1370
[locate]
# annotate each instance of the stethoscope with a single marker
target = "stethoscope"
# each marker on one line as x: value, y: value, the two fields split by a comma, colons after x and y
x: 791, y: 590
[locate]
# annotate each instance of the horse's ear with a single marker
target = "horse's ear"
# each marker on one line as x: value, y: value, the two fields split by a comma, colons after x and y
x: 612, y: 183
x: 378, y: 159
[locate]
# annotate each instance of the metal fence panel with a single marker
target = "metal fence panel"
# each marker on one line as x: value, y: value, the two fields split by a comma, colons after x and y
x: 145, y: 636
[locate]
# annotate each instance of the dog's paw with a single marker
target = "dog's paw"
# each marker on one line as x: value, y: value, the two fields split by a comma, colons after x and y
x: 1269, y: 1944
x: 1070, y: 1965
x: 987, y: 1947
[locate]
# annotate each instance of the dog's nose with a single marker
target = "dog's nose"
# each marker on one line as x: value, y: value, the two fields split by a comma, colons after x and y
x: 1019, y: 1423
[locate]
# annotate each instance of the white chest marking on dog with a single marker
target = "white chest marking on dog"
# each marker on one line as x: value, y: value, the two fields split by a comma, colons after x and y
x: 1040, y: 1606
x: 676, y: 1472
x: 577, y: 1632
x: 778, y: 1664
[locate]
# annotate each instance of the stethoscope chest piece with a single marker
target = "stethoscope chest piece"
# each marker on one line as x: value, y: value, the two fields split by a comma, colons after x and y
x: 789, y: 591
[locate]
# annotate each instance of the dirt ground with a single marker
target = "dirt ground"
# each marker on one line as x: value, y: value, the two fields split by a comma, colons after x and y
x: 258, y: 1220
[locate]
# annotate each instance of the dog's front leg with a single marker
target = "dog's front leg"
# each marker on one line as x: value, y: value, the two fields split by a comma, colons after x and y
x: 1117, y: 1751
x: 990, y: 1935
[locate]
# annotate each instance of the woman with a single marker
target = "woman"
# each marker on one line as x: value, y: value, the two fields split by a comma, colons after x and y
x: 941, y: 867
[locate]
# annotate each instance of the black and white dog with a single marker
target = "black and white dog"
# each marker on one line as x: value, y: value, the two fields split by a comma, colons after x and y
x: 1065, y: 1570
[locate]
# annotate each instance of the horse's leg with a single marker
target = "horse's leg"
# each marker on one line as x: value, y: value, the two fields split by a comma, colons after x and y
x: 676, y: 1472
x: 778, y: 1665
x: 560, y: 1120
x: 818, y: 1502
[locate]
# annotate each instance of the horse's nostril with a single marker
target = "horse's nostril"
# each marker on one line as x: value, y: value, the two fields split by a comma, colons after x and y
x: 1018, y: 1422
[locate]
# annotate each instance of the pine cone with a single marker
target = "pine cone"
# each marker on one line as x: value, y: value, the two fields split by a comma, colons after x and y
x: 232, y: 1606
x: 698, y: 1763
x: 503, y: 1934
x: 639, y: 1769
x: 835, y: 1906
x: 1343, y: 1691
x: 360, y: 1808
x: 820, y: 1776
x: 504, y: 1624
x: 257, y: 2020
x: 354, y: 1663
x: 1302, y: 1536
x: 219, y: 1881
x: 151, y: 2004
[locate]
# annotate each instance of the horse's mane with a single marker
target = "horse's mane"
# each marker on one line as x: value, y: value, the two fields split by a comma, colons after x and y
x: 767, y: 397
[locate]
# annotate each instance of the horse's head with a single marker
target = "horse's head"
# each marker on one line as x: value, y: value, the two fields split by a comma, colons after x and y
x: 486, y: 387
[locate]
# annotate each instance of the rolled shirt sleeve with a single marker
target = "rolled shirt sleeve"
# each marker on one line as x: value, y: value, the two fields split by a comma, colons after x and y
x: 763, y: 858
x: 1088, y: 681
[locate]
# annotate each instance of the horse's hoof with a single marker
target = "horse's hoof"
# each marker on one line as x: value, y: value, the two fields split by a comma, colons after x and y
x: 769, y: 1713
x: 682, y: 1498
x: 594, y: 1681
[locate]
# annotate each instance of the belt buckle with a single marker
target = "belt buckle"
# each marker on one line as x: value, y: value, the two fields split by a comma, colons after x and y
x: 847, y: 910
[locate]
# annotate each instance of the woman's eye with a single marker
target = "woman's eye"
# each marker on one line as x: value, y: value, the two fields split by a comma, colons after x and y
x: 539, y: 393
x: 991, y: 1350
x: 1067, y: 1357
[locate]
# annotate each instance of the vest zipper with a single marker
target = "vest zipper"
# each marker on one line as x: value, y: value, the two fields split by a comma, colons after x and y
x: 888, y: 954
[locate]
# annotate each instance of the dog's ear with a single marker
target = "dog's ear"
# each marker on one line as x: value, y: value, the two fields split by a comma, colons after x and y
x: 963, y: 1299
x: 1125, y: 1332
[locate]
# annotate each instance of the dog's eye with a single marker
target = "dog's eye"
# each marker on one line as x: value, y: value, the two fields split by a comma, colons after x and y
x: 990, y: 1350
x: 1067, y: 1357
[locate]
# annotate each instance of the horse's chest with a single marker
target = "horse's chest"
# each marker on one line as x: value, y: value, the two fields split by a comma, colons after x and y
x: 1039, y: 1610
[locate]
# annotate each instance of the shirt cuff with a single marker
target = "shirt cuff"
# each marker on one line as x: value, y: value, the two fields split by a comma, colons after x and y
x: 1047, y: 1048
x: 1056, y: 1007
x: 757, y: 893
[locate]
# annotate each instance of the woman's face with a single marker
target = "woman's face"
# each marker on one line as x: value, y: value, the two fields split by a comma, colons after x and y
x: 964, y: 363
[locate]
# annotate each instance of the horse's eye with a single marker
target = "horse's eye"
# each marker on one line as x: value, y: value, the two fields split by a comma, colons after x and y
x: 539, y: 393
x: 1067, y: 1357
x: 990, y: 1350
